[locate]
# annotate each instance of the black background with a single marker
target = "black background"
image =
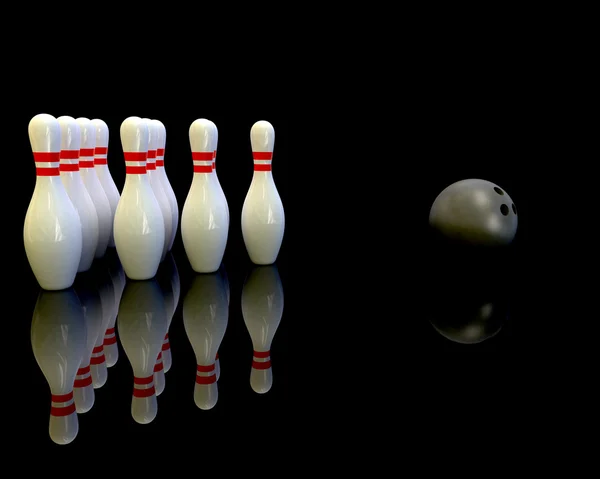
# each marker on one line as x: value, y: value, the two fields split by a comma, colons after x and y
x: 358, y: 161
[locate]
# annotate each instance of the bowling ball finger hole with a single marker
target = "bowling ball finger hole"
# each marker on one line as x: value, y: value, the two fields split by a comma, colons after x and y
x: 504, y: 209
x: 498, y: 190
x: 514, y: 208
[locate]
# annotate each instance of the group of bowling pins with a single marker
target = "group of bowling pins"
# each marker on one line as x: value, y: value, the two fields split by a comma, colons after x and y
x: 67, y: 323
x: 76, y: 211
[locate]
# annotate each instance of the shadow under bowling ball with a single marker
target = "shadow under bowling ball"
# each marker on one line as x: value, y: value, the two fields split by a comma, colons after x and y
x: 469, y: 321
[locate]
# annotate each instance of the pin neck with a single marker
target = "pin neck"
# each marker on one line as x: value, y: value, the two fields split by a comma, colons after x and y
x: 100, y: 154
x: 262, y: 162
x: 135, y: 165
x: 160, y: 157
x: 203, y: 163
x: 47, y: 164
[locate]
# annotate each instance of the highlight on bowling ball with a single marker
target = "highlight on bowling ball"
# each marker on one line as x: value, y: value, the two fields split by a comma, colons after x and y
x: 475, y: 212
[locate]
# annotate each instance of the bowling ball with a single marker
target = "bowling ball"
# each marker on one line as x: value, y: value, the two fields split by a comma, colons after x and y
x: 474, y: 212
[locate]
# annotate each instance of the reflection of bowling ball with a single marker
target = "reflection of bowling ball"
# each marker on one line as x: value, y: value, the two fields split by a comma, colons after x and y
x: 475, y: 212
x: 469, y: 321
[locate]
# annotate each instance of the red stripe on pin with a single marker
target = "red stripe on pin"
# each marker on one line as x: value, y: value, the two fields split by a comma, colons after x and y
x: 69, y: 167
x: 205, y: 369
x: 158, y: 367
x: 101, y: 150
x: 62, y: 397
x: 206, y: 379
x: 147, y: 380
x: 69, y: 154
x: 82, y: 371
x: 100, y: 161
x: 151, y: 166
x: 109, y: 331
x: 47, y: 172
x: 160, y: 163
x: 202, y: 168
x: 81, y: 383
x: 62, y: 411
x: 202, y: 155
x: 151, y: 153
x: 166, y: 346
x: 97, y: 349
x: 95, y: 360
x: 86, y: 163
x: 135, y: 170
x: 259, y: 167
x: 262, y: 155
x: 143, y: 393
x: 46, y: 157
x: 261, y: 354
x: 263, y: 365
x: 86, y: 152
x: 109, y: 341
x: 160, y: 152
x: 135, y: 155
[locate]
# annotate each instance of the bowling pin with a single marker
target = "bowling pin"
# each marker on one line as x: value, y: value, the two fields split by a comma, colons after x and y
x: 204, y: 227
x: 52, y: 233
x: 71, y: 177
x: 92, y: 183
x: 205, y: 316
x: 162, y: 174
x: 111, y: 349
x: 58, y: 343
x: 142, y: 323
x: 222, y: 193
x: 156, y: 184
x: 139, y: 228
x: 170, y: 285
x: 103, y: 172
x: 263, y: 218
x: 89, y: 296
x: 262, y: 308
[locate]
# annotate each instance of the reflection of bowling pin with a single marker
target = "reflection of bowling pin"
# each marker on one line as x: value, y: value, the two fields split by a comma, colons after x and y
x: 106, y: 291
x: 52, y: 231
x: 89, y: 296
x: 170, y: 285
x: 223, y: 273
x: 103, y: 172
x: 58, y: 343
x: 138, y: 228
x: 263, y: 218
x: 111, y: 349
x: 262, y: 308
x: 205, y: 315
x: 93, y: 185
x: 160, y: 170
x: 142, y: 323
x: 71, y: 178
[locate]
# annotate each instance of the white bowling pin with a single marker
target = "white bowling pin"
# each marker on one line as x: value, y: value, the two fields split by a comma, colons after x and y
x: 92, y: 183
x: 214, y: 167
x: 111, y: 349
x: 262, y: 308
x: 71, y: 177
x: 156, y: 184
x: 263, y: 218
x: 58, y: 343
x: 204, y: 227
x: 170, y: 285
x: 52, y: 233
x: 205, y: 316
x: 89, y: 296
x: 103, y: 172
x: 142, y: 323
x: 162, y: 174
x: 139, y: 228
